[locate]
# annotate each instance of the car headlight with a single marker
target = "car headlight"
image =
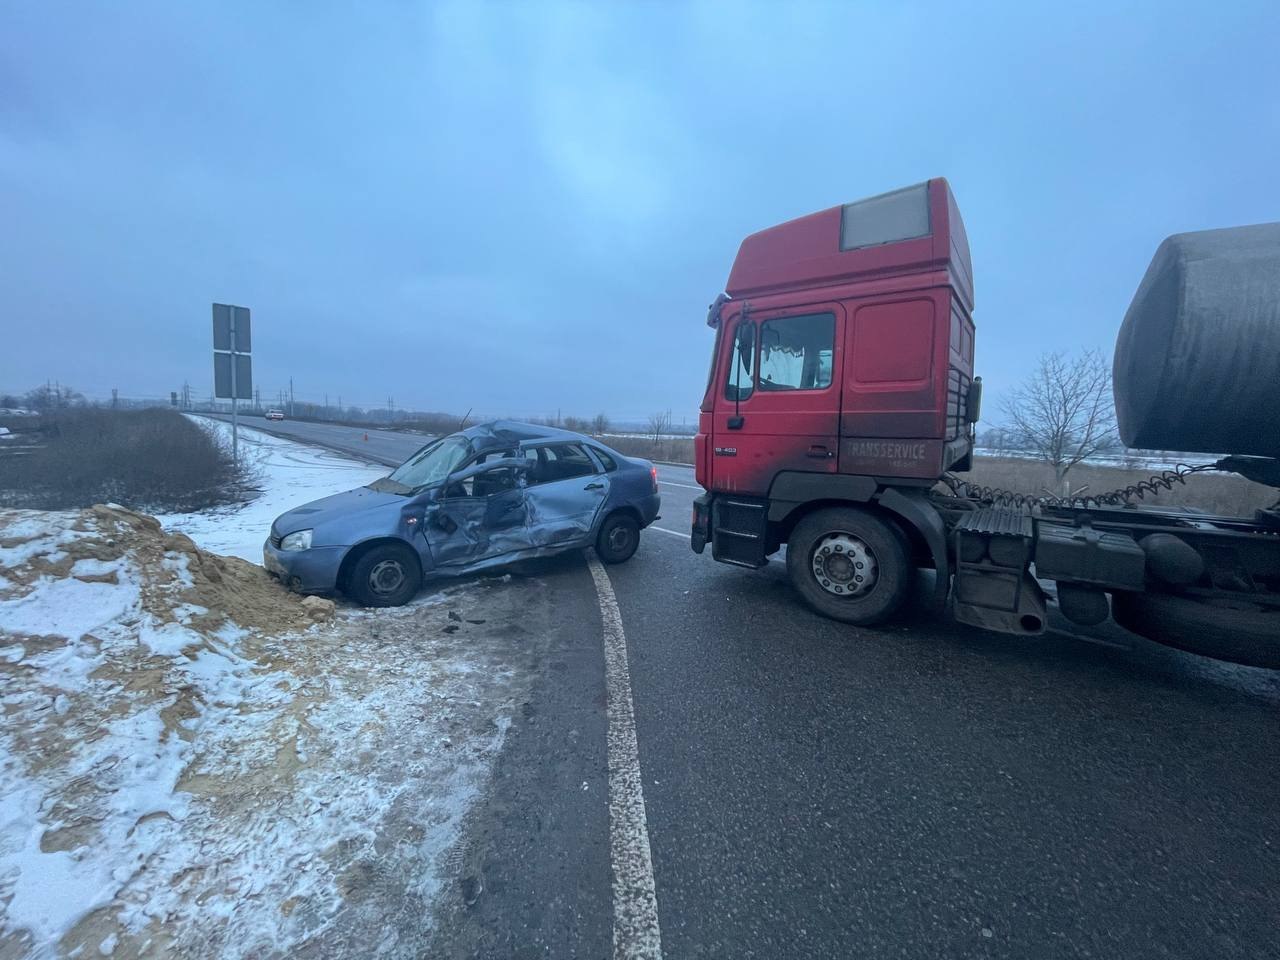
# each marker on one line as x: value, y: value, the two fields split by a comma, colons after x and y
x: 298, y: 540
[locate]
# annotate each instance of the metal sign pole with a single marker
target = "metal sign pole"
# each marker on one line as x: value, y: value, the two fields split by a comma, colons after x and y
x: 235, y: 417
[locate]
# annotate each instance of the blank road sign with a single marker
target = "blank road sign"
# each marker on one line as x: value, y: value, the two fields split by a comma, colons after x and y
x: 222, y: 376
x: 222, y: 315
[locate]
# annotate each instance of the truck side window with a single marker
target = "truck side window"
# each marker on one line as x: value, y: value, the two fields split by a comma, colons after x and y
x: 738, y: 386
x: 796, y: 352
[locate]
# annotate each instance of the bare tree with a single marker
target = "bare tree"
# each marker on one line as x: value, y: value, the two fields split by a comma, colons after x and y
x: 51, y: 397
x: 599, y: 425
x: 1063, y: 412
x: 659, y: 427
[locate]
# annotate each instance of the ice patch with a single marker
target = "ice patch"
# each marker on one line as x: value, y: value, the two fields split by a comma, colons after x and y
x: 49, y: 891
x: 89, y: 567
x: 178, y: 564
x: 66, y: 608
x: 168, y: 639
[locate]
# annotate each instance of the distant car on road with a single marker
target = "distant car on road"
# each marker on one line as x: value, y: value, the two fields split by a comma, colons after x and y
x: 275, y: 414
x: 485, y: 496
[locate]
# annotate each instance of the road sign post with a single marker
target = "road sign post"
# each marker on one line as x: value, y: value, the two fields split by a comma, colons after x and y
x: 232, y: 362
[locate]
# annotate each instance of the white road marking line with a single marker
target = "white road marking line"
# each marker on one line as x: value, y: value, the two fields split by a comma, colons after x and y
x: 687, y: 486
x: 685, y: 536
x: 636, y: 935
x: 674, y: 533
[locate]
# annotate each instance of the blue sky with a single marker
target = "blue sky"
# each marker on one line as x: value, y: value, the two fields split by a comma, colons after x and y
x: 524, y: 207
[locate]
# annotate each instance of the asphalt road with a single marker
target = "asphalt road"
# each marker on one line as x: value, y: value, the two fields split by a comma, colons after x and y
x: 386, y: 447
x: 924, y: 790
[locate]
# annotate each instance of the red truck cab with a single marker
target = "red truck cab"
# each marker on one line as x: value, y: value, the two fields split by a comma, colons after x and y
x: 842, y: 371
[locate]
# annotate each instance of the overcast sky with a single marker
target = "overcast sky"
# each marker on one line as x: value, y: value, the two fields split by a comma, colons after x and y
x: 524, y: 208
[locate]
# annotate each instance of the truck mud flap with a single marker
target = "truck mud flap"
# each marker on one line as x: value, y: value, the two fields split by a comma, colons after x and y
x: 920, y: 513
x: 738, y: 526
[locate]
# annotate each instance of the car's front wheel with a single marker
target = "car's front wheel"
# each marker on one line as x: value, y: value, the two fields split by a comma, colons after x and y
x: 385, y: 576
x: 618, y: 538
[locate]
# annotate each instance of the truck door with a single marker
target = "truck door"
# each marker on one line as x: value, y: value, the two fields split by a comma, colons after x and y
x: 779, y: 405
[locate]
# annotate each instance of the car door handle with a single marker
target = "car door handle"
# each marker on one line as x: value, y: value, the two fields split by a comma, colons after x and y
x: 594, y: 486
x: 819, y: 452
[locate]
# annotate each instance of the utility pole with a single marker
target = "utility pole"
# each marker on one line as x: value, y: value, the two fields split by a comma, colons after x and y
x: 291, y: 396
x: 115, y: 398
x: 390, y: 409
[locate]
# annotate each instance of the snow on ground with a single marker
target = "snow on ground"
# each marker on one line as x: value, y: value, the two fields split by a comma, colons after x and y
x: 190, y: 766
x: 292, y: 473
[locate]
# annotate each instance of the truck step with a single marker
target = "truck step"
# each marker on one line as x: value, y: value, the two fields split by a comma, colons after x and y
x: 997, y: 521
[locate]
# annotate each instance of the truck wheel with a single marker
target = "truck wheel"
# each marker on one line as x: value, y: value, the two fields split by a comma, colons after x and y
x: 618, y: 538
x: 849, y: 565
x: 1247, y: 636
x: 385, y: 576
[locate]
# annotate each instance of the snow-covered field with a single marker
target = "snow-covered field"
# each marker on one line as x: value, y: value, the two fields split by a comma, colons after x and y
x: 292, y: 473
x: 193, y: 763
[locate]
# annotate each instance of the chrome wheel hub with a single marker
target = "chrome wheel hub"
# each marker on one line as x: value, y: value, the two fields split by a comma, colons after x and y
x: 844, y: 566
x: 386, y: 577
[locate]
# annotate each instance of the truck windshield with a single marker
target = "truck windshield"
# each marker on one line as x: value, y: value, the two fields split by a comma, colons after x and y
x: 433, y: 462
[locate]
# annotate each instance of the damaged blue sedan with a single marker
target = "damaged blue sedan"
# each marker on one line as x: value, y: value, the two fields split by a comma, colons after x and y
x: 486, y: 496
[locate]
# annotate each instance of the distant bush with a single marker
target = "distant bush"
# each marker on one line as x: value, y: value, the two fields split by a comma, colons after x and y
x: 152, y: 460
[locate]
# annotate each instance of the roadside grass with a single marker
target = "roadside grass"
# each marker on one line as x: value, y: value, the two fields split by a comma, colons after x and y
x: 152, y: 460
x: 1219, y: 493
x: 672, y: 449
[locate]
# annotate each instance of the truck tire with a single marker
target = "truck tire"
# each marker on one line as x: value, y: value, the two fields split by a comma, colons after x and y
x: 849, y: 565
x: 386, y: 575
x: 1246, y: 636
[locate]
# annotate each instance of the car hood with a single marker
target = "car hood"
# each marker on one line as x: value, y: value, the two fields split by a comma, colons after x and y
x: 338, y: 506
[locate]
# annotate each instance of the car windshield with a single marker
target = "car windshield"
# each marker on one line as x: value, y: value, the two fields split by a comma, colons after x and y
x: 432, y: 463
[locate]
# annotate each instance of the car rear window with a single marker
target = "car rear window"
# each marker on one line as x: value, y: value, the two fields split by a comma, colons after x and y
x: 606, y: 459
x: 559, y: 461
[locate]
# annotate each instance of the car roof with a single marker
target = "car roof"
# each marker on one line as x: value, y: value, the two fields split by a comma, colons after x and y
x: 504, y: 433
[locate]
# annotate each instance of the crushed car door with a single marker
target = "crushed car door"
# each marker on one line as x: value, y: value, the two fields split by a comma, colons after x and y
x: 564, y: 494
x: 481, y: 513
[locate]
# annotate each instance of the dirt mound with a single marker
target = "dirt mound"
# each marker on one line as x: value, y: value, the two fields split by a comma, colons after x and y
x: 174, y: 575
x: 193, y: 766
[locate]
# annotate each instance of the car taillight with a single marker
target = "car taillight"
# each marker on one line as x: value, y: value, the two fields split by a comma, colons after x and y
x: 653, y: 472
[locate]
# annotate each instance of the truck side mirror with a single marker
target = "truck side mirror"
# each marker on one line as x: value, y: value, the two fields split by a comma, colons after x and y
x: 973, y: 403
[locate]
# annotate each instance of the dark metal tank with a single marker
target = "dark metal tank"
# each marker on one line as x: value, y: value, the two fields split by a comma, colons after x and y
x: 1197, y: 362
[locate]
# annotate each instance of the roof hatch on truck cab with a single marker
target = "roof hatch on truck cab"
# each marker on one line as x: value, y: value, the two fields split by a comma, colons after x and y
x: 916, y: 229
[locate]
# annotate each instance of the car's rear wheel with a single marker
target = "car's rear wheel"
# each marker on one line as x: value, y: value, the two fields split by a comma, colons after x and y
x: 849, y: 565
x: 618, y: 538
x: 386, y: 575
